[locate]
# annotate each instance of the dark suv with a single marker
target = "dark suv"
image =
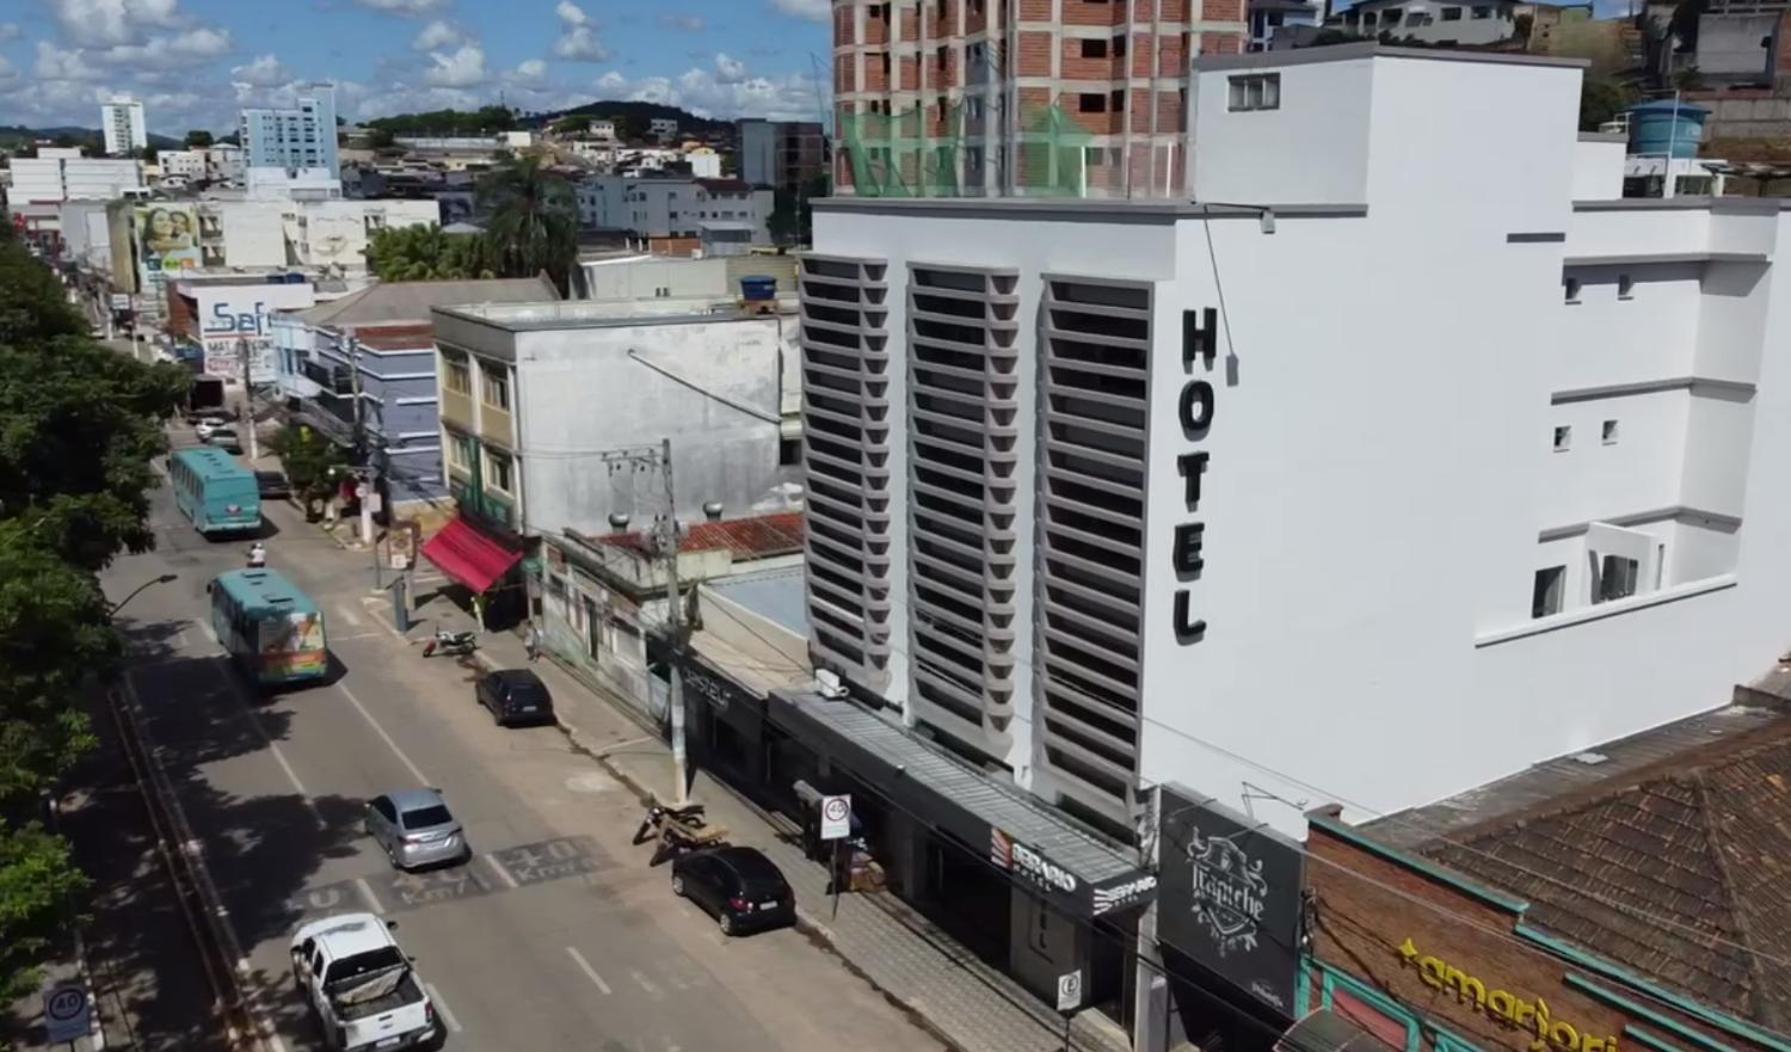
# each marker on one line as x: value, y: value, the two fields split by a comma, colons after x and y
x: 515, y: 695
x: 744, y: 889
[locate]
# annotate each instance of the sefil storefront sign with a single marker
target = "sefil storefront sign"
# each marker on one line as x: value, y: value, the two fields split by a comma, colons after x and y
x: 235, y: 322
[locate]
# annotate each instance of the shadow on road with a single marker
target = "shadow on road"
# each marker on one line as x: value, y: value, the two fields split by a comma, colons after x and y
x: 261, y: 849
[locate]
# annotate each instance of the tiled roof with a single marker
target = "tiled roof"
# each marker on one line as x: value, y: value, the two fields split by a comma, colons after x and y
x: 755, y: 538
x: 1678, y: 872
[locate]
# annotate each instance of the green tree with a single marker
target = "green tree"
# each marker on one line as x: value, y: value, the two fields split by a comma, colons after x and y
x: 425, y: 253
x: 1601, y: 99
x: 311, y: 462
x: 198, y: 139
x: 78, y: 426
x: 534, y: 220
x: 37, y: 879
x: 573, y: 125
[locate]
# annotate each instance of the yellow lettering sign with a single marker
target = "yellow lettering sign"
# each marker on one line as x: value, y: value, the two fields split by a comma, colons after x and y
x: 1503, y: 1006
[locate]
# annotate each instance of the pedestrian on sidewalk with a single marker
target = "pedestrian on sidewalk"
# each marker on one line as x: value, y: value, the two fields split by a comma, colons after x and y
x: 531, y: 641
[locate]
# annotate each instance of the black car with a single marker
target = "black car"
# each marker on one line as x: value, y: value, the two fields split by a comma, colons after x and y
x: 741, y: 887
x: 515, y: 695
x: 273, y: 485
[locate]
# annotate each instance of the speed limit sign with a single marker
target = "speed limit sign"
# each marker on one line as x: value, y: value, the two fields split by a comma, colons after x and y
x: 66, y: 1012
x: 836, y: 817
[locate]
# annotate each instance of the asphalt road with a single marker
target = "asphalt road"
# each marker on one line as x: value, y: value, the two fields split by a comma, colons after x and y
x: 556, y: 936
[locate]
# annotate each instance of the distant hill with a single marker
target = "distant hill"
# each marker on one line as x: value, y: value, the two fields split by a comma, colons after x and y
x: 17, y: 134
x: 623, y: 109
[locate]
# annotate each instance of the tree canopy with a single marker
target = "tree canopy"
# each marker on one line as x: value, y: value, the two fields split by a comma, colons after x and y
x: 198, y: 138
x: 426, y: 253
x: 79, y: 424
x: 533, y: 220
x: 486, y: 120
x: 310, y: 460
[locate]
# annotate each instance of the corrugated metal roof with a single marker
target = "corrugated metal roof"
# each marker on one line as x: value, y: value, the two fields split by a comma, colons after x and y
x: 757, y: 537
x: 1006, y: 809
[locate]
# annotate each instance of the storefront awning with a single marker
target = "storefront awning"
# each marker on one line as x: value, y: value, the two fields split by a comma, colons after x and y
x: 1074, y: 870
x: 470, y: 555
x: 1326, y: 1031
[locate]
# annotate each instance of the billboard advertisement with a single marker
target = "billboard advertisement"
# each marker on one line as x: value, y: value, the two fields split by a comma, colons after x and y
x: 167, y: 236
x: 235, y: 321
x: 1231, y: 895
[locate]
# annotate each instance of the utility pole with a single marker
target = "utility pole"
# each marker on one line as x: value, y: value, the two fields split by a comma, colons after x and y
x: 665, y: 545
x: 365, y: 489
x: 243, y: 352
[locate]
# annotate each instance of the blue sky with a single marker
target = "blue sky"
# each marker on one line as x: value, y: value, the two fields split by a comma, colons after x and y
x: 194, y: 62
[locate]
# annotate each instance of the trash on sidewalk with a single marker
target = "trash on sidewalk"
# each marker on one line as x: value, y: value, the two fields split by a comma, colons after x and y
x: 678, y: 831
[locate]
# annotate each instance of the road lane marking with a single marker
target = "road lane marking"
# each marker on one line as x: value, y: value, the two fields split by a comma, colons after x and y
x: 416, y: 772
x: 646, y: 983
x: 273, y: 747
x: 348, y: 615
x: 441, y: 1007
x: 503, y: 874
x: 367, y: 893
x: 590, y: 972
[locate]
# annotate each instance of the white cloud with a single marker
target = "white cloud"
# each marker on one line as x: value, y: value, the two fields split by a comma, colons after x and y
x: 461, y: 69
x: 813, y: 10
x: 172, y: 51
x: 578, y: 35
x: 263, y: 72
x: 8, y: 31
x: 683, y: 23
x: 786, y: 97
x: 531, y: 69
x: 7, y: 72
x: 404, y: 8
x: 729, y: 70
x: 60, y: 64
x: 109, y: 23
x: 437, y: 35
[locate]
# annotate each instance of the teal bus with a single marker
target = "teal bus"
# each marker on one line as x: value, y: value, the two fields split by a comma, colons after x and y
x: 219, y: 495
x: 273, y: 630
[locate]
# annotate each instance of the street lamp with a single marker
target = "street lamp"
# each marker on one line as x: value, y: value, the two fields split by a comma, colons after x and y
x: 163, y: 579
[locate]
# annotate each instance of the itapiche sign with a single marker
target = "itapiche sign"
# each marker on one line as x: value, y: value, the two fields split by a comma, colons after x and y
x: 1230, y: 895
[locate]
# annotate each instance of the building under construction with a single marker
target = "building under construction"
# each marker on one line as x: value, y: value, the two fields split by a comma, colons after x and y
x: 994, y: 98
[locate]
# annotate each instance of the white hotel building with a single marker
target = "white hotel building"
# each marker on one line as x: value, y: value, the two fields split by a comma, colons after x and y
x: 1404, y: 457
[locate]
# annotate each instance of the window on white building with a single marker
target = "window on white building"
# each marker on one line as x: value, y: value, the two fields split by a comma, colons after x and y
x: 1451, y: 14
x: 1609, y: 432
x: 1570, y: 289
x: 1563, y: 438
x: 496, y: 386
x: 1257, y: 91
x: 497, y: 472
x: 1626, y: 287
x: 1545, y: 598
x: 1616, y: 579
x: 1482, y: 12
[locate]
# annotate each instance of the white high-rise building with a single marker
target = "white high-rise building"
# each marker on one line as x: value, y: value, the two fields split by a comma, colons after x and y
x: 121, y: 119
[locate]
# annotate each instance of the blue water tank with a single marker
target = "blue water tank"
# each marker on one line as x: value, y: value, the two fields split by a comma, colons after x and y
x: 1666, y: 126
x: 756, y: 287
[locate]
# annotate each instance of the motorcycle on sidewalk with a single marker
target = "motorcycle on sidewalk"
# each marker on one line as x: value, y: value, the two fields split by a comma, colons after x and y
x: 446, y: 642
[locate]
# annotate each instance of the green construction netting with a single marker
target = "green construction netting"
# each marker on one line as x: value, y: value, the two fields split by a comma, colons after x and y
x: 946, y: 152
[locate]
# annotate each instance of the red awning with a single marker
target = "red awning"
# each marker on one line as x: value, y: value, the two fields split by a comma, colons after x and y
x: 470, y: 555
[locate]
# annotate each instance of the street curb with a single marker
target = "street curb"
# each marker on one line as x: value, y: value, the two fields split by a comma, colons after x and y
x: 96, y: 1025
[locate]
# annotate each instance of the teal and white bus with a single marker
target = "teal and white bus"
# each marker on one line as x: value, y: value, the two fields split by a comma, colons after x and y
x: 219, y: 495
x: 273, y: 630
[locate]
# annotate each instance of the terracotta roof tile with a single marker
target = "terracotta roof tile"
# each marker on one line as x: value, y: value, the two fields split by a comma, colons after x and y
x: 1679, y: 873
x: 754, y: 538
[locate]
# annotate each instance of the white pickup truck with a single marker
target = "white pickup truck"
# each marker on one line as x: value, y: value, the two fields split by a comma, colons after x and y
x: 361, y: 985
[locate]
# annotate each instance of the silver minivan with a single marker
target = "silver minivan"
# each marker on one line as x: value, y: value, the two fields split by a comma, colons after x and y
x: 415, y: 829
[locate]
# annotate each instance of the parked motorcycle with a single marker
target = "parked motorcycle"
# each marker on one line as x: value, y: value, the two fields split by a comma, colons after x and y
x: 446, y: 642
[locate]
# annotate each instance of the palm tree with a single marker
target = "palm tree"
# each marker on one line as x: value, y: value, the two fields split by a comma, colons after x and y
x: 533, y: 224
x: 427, y: 253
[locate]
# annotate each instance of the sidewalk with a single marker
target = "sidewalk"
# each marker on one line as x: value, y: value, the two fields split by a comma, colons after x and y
x: 966, y: 1003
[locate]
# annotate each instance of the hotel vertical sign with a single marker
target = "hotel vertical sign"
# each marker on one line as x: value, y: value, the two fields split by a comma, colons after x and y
x: 1194, y: 411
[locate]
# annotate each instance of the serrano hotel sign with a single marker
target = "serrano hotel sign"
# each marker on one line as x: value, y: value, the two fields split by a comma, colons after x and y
x: 1200, y: 339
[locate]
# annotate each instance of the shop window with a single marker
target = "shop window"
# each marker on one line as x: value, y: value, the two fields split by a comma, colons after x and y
x: 1372, y: 1012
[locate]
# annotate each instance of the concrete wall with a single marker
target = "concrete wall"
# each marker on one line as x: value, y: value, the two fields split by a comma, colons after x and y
x: 1264, y: 156
x: 1598, y: 168
x: 578, y: 393
x: 1736, y: 46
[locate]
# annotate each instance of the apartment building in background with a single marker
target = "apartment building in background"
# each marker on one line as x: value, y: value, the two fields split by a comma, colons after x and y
x: 122, y: 124
x: 784, y: 155
x: 302, y: 136
x: 1034, y: 98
